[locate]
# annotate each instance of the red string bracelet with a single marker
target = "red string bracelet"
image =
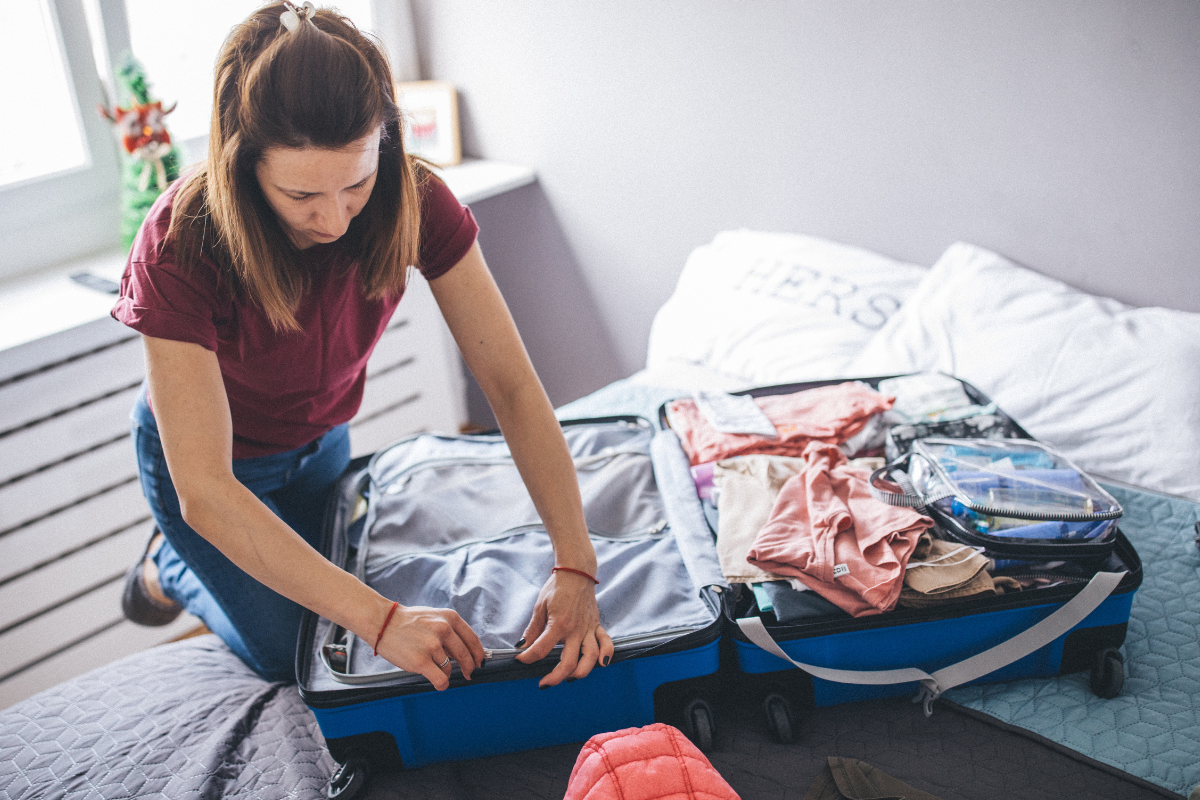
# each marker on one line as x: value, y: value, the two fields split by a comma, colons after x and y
x: 577, y: 572
x: 383, y: 627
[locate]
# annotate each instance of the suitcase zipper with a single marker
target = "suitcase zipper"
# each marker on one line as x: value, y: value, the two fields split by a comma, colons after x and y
x: 637, y: 426
x: 340, y: 652
x: 1071, y: 579
x: 396, y: 482
x: 360, y: 571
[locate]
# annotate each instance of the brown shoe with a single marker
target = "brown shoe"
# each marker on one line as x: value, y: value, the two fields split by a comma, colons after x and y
x: 138, y: 604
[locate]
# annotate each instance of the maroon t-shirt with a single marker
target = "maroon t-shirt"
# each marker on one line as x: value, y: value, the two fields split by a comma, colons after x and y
x: 284, y: 389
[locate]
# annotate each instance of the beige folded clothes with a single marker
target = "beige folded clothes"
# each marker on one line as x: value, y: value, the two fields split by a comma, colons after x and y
x: 746, y: 491
x: 938, y: 566
x: 940, y: 571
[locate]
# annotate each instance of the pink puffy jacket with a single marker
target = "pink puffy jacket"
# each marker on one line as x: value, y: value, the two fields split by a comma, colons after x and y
x: 656, y: 762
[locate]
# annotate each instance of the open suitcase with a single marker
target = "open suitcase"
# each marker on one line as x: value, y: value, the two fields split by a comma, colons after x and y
x: 445, y: 521
x: 832, y: 658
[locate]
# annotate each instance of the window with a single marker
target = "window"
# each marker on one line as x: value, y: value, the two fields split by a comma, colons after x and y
x: 58, y: 183
x: 59, y: 180
x: 41, y: 134
x: 180, y: 68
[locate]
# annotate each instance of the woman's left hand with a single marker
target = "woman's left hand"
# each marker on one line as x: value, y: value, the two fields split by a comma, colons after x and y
x: 566, y: 612
x: 482, y: 326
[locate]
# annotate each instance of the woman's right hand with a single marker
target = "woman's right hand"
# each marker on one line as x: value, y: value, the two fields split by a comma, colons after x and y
x: 418, y: 639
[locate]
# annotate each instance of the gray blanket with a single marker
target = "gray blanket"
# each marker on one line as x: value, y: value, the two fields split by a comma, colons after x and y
x: 187, y: 719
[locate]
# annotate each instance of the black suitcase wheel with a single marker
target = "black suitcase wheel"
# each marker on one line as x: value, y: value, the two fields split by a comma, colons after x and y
x: 698, y: 724
x: 1108, y: 673
x: 348, y: 779
x: 779, y: 718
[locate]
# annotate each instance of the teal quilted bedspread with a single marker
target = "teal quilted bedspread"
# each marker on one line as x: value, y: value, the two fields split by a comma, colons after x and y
x: 1152, y: 730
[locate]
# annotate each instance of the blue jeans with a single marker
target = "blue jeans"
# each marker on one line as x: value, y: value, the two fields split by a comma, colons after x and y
x: 258, y: 624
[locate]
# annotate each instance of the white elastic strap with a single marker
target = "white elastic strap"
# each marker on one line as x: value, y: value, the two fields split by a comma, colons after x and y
x: 937, y: 562
x: 1027, y: 641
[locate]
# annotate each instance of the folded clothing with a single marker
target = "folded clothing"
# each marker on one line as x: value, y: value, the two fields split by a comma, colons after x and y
x: 938, y: 572
x: 791, y: 606
x: 941, y: 572
x: 938, y: 566
x: 830, y: 414
x: 655, y: 762
x: 829, y: 531
x: 925, y: 396
x: 746, y: 491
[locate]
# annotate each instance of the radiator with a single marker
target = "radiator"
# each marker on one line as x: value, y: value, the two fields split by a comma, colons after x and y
x: 72, y: 517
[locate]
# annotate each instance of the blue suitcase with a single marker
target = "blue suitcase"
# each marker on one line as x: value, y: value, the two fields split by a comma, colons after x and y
x: 833, y: 658
x: 445, y: 521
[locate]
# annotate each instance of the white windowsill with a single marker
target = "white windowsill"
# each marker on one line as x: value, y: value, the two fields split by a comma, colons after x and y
x: 476, y: 179
x: 48, y: 301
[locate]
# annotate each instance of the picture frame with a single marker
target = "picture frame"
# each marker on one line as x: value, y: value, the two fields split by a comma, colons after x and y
x: 429, y: 110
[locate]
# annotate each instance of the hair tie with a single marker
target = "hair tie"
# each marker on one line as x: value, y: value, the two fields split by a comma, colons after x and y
x: 290, y: 19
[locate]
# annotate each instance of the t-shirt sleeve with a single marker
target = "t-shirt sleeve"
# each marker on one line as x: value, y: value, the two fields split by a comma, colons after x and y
x: 157, y: 297
x: 448, y: 229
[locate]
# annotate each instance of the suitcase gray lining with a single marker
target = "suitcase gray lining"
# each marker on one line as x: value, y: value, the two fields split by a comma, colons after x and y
x: 424, y: 547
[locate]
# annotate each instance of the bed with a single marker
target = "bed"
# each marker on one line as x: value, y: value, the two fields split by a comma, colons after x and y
x: 1116, y: 388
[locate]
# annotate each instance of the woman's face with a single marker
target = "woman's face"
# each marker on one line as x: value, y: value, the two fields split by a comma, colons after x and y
x: 316, y: 192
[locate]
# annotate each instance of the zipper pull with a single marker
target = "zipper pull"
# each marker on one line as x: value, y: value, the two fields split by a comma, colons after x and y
x: 338, y: 657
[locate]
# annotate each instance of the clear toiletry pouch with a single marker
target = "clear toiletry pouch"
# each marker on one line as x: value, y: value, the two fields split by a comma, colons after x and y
x: 1016, y: 498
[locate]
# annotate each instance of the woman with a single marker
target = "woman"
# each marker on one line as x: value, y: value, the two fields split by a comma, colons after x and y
x: 260, y: 283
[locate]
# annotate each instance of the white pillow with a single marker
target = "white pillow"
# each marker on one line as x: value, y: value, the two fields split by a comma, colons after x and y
x: 777, y: 307
x: 1115, y: 388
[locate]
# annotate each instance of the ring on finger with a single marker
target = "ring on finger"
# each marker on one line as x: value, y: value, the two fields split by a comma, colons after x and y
x: 444, y: 663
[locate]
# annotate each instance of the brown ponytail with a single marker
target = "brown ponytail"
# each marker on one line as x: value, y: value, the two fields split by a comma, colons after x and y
x: 324, y: 85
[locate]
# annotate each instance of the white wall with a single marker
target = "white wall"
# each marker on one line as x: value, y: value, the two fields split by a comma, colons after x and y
x: 1063, y: 134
